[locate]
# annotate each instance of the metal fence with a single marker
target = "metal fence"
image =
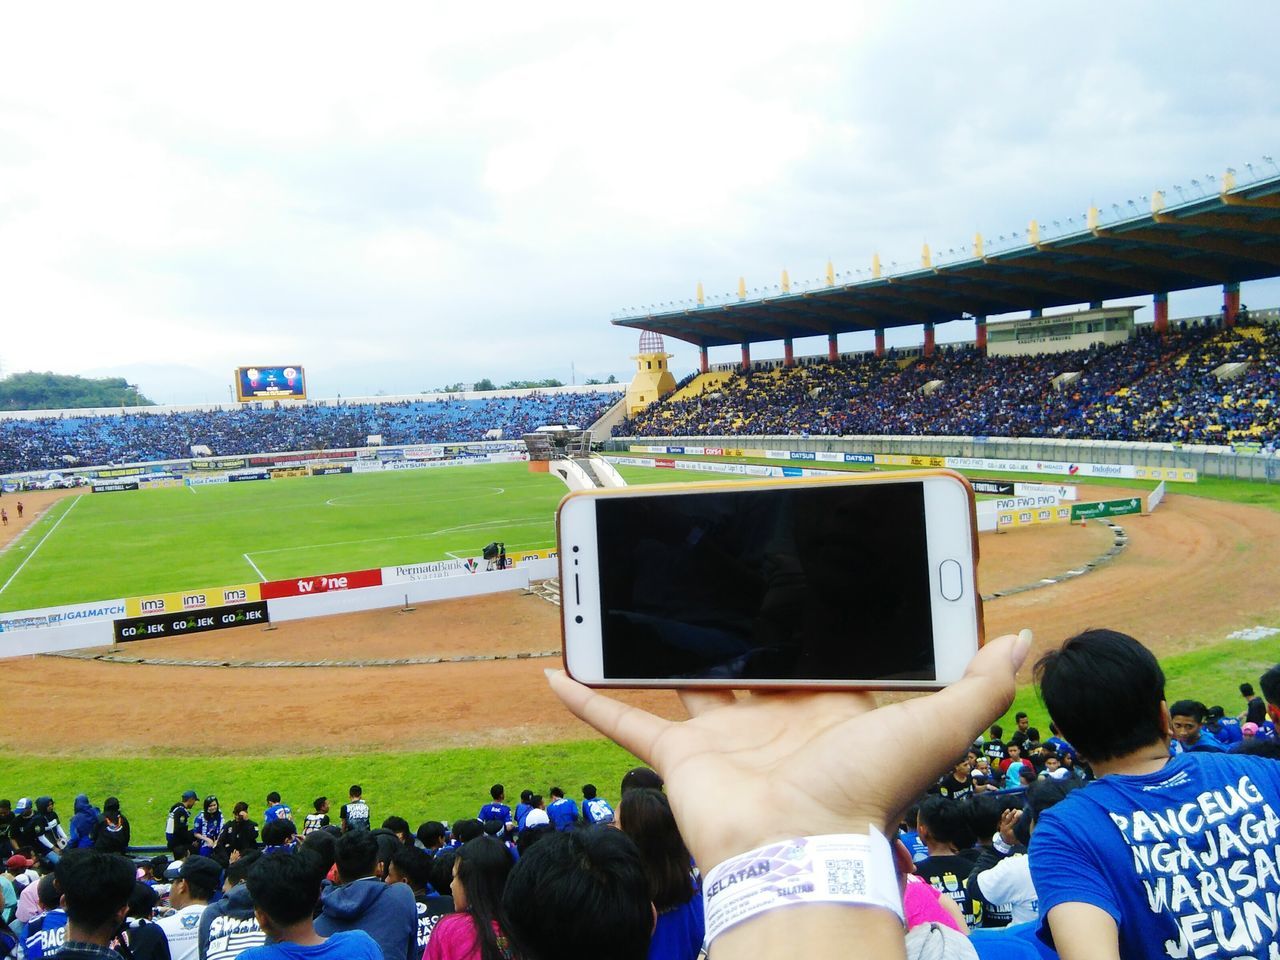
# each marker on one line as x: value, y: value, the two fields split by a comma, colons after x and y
x: 1263, y: 466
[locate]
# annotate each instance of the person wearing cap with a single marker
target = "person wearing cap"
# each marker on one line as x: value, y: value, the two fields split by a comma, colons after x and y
x: 178, y: 836
x: 111, y: 834
x: 195, y: 880
x: 14, y: 868
x: 27, y: 827
x: 1226, y: 730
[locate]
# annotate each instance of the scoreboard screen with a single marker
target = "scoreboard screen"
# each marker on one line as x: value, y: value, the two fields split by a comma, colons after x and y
x: 270, y: 383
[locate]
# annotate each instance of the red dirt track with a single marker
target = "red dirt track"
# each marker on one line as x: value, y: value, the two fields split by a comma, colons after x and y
x: 1194, y: 570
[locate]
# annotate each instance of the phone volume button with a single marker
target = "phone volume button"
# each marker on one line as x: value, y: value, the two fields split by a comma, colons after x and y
x: 950, y: 580
x: 577, y: 590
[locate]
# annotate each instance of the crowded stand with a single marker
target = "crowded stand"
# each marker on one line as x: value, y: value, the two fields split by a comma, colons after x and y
x: 1149, y: 388
x: 58, y: 442
x: 999, y: 839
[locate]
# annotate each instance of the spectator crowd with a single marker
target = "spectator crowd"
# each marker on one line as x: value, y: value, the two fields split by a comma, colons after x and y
x: 1150, y: 388
x: 983, y: 856
x: 54, y: 443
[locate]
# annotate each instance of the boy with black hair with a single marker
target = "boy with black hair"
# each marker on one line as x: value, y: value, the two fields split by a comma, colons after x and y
x: 432, y: 835
x: 1105, y: 888
x: 1255, y: 711
x: 361, y: 901
x: 562, y: 811
x: 178, y: 835
x: 355, y: 812
x: 229, y: 926
x: 1186, y: 720
x: 994, y: 747
x: 95, y: 893
x: 523, y: 808
x: 595, y: 809
x: 46, y: 933
x: 1222, y: 728
x: 581, y: 894
x: 198, y: 880
x: 319, y: 819
x: 412, y: 867
x: 944, y: 829
x: 536, y: 815
x: 400, y: 827
x: 957, y: 784
x: 284, y: 889
x: 276, y: 809
x: 1270, y: 683
x: 279, y: 836
x: 1020, y: 735
x: 496, y: 808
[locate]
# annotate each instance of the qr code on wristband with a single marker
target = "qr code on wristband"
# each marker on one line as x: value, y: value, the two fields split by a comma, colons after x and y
x: 846, y: 877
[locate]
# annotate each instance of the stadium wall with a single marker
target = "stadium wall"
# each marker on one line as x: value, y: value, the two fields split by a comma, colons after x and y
x: 1206, y: 461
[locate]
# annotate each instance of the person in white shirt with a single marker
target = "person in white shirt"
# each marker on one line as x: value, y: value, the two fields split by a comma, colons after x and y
x: 537, y: 816
x: 197, y: 878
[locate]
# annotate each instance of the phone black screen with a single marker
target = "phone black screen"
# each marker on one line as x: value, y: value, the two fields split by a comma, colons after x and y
x: 819, y: 583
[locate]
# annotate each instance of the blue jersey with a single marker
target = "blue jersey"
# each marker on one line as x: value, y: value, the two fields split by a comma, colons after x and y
x: 563, y: 813
x: 495, y: 811
x: 277, y: 811
x: 522, y: 811
x: 1184, y: 859
x: 46, y: 934
x: 597, y: 810
x: 1228, y: 732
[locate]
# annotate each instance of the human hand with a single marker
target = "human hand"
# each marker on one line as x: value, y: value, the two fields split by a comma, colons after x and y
x: 1008, y: 820
x: 792, y: 763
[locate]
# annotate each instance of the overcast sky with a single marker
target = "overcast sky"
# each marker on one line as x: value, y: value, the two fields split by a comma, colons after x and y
x: 398, y: 196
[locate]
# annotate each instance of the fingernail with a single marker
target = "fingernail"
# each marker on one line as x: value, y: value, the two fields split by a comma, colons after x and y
x: 1021, y: 648
x: 549, y: 673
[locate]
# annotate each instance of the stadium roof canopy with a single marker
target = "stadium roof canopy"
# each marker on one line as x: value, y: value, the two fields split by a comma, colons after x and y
x: 1221, y: 238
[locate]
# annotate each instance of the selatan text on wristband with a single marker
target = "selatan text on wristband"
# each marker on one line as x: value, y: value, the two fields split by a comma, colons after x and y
x: 855, y: 869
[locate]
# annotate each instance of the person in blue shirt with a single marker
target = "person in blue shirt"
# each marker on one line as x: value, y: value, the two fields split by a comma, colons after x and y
x: 1226, y: 730
x: 496, y: 808
x: 562, y: 811
x: 275, y: 809
x: 1161, y: 856
x: 284, y: 889
x: 1186, y: 724
x: 595, y: 809
x: 46, y: 934
x: 523, y: 808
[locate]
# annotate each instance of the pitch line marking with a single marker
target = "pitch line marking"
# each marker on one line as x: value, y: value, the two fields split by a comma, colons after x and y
x: 28, y: 557
x: 345, y: 501
x: 255, y: 567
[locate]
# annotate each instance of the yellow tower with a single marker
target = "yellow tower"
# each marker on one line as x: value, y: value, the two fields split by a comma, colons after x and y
x: 653, y: 377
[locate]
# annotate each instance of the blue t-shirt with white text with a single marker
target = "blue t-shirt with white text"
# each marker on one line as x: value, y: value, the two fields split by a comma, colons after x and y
x: 1185, y: 859
x: 347, y: 945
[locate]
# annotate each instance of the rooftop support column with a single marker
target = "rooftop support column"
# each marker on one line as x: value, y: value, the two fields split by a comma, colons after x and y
x: 879, y: 341
x: 788, y: 353
x: 1160, y: 308
x: 928, y: 340
x: 746, y: 356
x: 1230, y: 303
x: 980, y: 333
x: 833, y: 350
x: 704, y: 363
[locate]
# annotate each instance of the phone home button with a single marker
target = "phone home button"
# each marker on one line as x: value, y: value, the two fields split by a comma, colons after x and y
x: 949, y: 580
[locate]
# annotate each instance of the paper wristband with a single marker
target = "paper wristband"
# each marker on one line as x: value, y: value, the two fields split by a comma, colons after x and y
x: 843, y: 868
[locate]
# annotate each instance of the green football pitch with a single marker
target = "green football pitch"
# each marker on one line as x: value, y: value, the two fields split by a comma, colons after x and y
x: 108, y: 545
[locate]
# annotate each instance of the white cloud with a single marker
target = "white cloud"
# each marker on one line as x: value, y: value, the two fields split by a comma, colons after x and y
x: 407, y: 195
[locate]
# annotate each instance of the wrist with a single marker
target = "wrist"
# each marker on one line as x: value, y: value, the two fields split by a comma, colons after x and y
x: 1001, y: 845
x: 836, y: 872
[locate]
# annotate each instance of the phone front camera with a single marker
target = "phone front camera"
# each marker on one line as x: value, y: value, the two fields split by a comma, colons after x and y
x: 577, y: 619
x: 575, y: 549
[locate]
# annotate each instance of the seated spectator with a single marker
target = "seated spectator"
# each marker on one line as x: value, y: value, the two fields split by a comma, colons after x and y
x: 284, y: 889
x: 595, y: 808
x: 317, y: 820
x: 535, y: 816
x: 562, y: 811
x: 279, y: 835
x: 141, y: 936
x: 1224, y: 729
x: 229, y: 926
x: 412, y: 867
x: 83, y: 822
x: 361, y: 901
x: 480, y: 929
x: 47, y: 932
x: 1186, y: 718
x: 432, y: 835
x: 111, y: 832
x: 645, y: 816
x: 239, y: 836
x: 96, y: 888
x: 1093, y: 857
x: 584, y: 893
x: 944, y: 829
x: 197, y: 879
x: 496, y: 809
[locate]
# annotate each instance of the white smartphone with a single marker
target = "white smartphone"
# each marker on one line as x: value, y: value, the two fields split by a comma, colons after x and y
x: 866, y: 582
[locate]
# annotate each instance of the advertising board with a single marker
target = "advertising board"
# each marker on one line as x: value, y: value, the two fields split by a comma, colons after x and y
x: 264, y: 382
x: 61, y: 616
x: 434, y: 570
x: 327, y: 583
x: 999, y: 488
x: 219, y: 463
x: 281, y: 473
x: 187, y: 600
x: 329, y: 470
x: 113, y: 486
x: 1105, y: 508
x: 248, y: 475
x: 177, y: 624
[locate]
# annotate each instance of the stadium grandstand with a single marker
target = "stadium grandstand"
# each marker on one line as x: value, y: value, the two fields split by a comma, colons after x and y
x: 1089, y: 372
x: 70, y: 438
